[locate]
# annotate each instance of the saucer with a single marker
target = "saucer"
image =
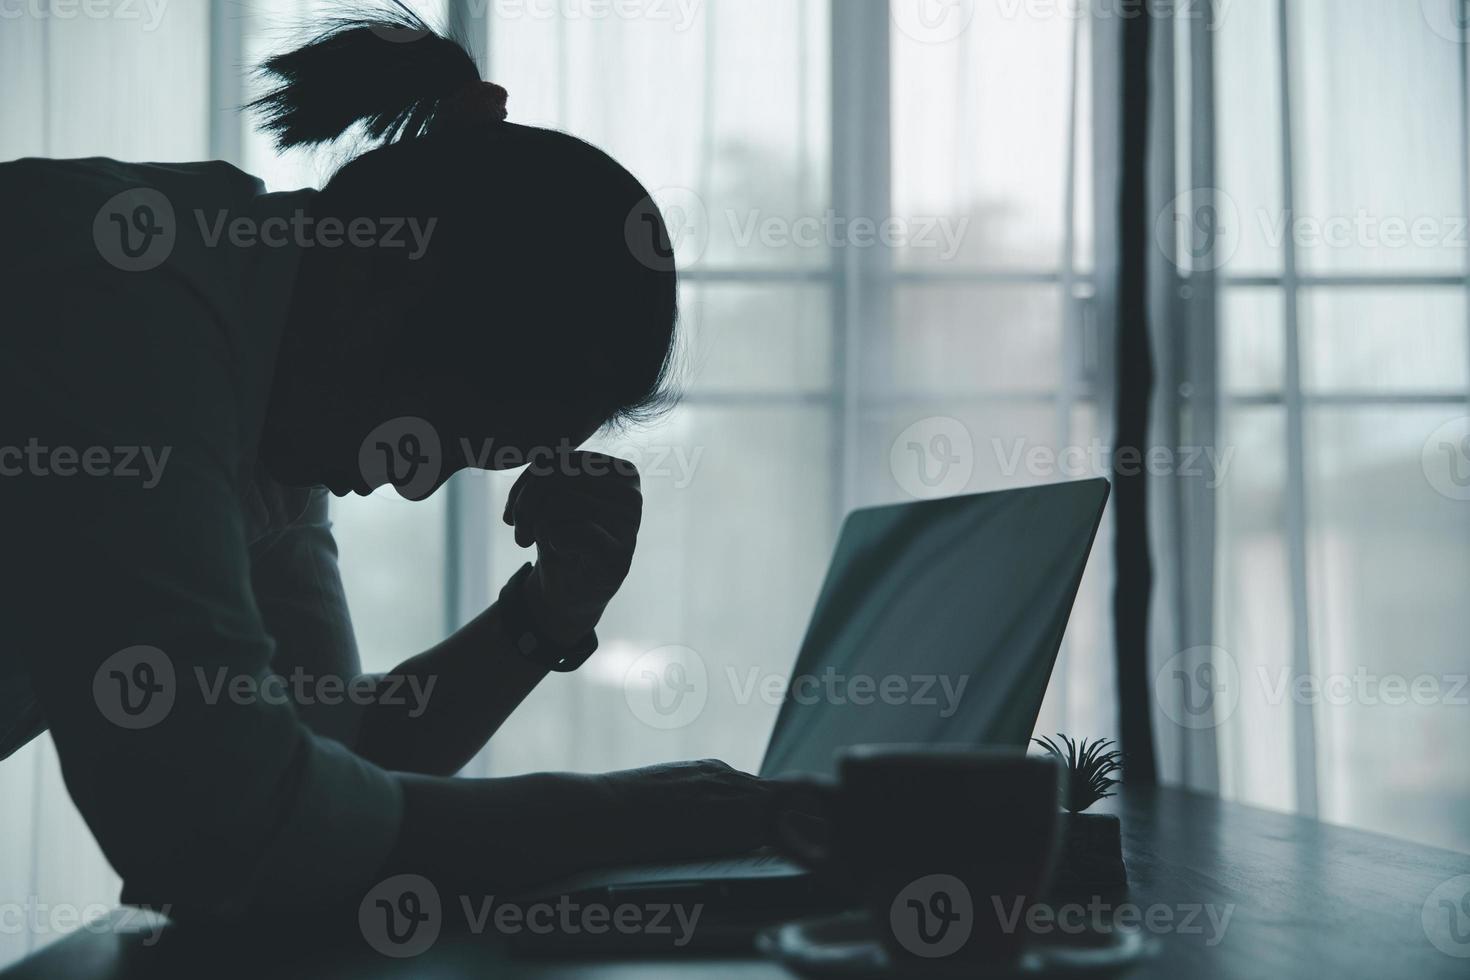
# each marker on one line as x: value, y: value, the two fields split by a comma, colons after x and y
x: 847, y: 945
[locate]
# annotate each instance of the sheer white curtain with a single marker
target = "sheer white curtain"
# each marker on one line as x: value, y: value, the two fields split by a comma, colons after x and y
x: 1325, y: 291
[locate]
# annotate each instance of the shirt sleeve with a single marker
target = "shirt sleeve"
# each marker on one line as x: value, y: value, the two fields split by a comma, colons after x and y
x: 148, y: 653
x: 298, y: 589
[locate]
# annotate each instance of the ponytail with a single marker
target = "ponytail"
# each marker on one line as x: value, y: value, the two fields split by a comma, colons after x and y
x: 391, y: 73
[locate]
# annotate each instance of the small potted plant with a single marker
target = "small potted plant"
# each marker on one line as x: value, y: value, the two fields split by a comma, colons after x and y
x: 1091, y: 857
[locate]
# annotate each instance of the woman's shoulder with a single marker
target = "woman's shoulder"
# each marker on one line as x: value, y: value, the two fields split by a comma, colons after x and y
x: 121, y: 309
x: 40, y: 173
x: 66, y: 214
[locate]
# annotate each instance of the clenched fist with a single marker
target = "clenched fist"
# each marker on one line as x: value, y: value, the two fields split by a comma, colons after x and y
x: 582, y: 513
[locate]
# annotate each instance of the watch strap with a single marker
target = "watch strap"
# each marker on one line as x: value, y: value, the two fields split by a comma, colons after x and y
x: 527, y: 637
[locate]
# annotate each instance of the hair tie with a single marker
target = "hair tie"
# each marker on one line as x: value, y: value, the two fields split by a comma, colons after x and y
x: 474, y: 105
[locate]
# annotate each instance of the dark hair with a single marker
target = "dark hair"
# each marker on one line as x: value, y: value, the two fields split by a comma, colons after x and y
x: 542, y: 234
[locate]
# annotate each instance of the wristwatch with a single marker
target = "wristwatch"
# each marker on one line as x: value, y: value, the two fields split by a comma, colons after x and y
x: 533, y: 644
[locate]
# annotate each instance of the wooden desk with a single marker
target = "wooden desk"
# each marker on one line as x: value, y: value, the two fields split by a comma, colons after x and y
x: 1304, y: 899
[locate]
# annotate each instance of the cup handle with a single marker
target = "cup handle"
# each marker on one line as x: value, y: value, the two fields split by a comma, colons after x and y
x: 805, y: 809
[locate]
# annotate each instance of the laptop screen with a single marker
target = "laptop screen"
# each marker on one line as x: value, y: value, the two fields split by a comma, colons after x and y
x: 938, y: 623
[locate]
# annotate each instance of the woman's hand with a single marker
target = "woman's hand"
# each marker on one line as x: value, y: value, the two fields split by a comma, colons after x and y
x: 582, y: 513
x: 514, y: 833
x: 689, y: 809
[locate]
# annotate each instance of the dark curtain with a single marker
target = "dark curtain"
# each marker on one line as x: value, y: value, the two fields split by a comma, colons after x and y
x: 1135, y: 385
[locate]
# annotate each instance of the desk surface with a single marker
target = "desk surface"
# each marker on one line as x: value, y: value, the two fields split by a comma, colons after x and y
x: 1304, y: 899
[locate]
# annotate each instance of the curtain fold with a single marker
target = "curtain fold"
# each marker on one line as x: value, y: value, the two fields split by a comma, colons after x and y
x: 1134, y: 397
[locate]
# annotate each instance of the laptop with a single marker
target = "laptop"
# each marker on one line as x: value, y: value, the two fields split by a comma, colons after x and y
x: 959, y: 606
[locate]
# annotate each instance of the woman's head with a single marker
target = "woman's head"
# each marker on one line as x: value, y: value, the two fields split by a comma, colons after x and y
x: 540, y: 307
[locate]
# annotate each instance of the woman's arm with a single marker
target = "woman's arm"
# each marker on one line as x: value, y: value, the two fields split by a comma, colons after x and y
x: 430, y: 715
x: 582, y: 513
x: 472, y: 836
x: 436, y: 710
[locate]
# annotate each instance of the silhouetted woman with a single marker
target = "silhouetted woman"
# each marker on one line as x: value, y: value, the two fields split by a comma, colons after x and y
x: 188, y: 364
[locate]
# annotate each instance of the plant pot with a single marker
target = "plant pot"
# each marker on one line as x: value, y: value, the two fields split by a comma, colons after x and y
x: 1090, y: 858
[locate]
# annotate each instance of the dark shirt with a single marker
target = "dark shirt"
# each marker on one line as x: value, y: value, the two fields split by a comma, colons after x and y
x: 153, y: 577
